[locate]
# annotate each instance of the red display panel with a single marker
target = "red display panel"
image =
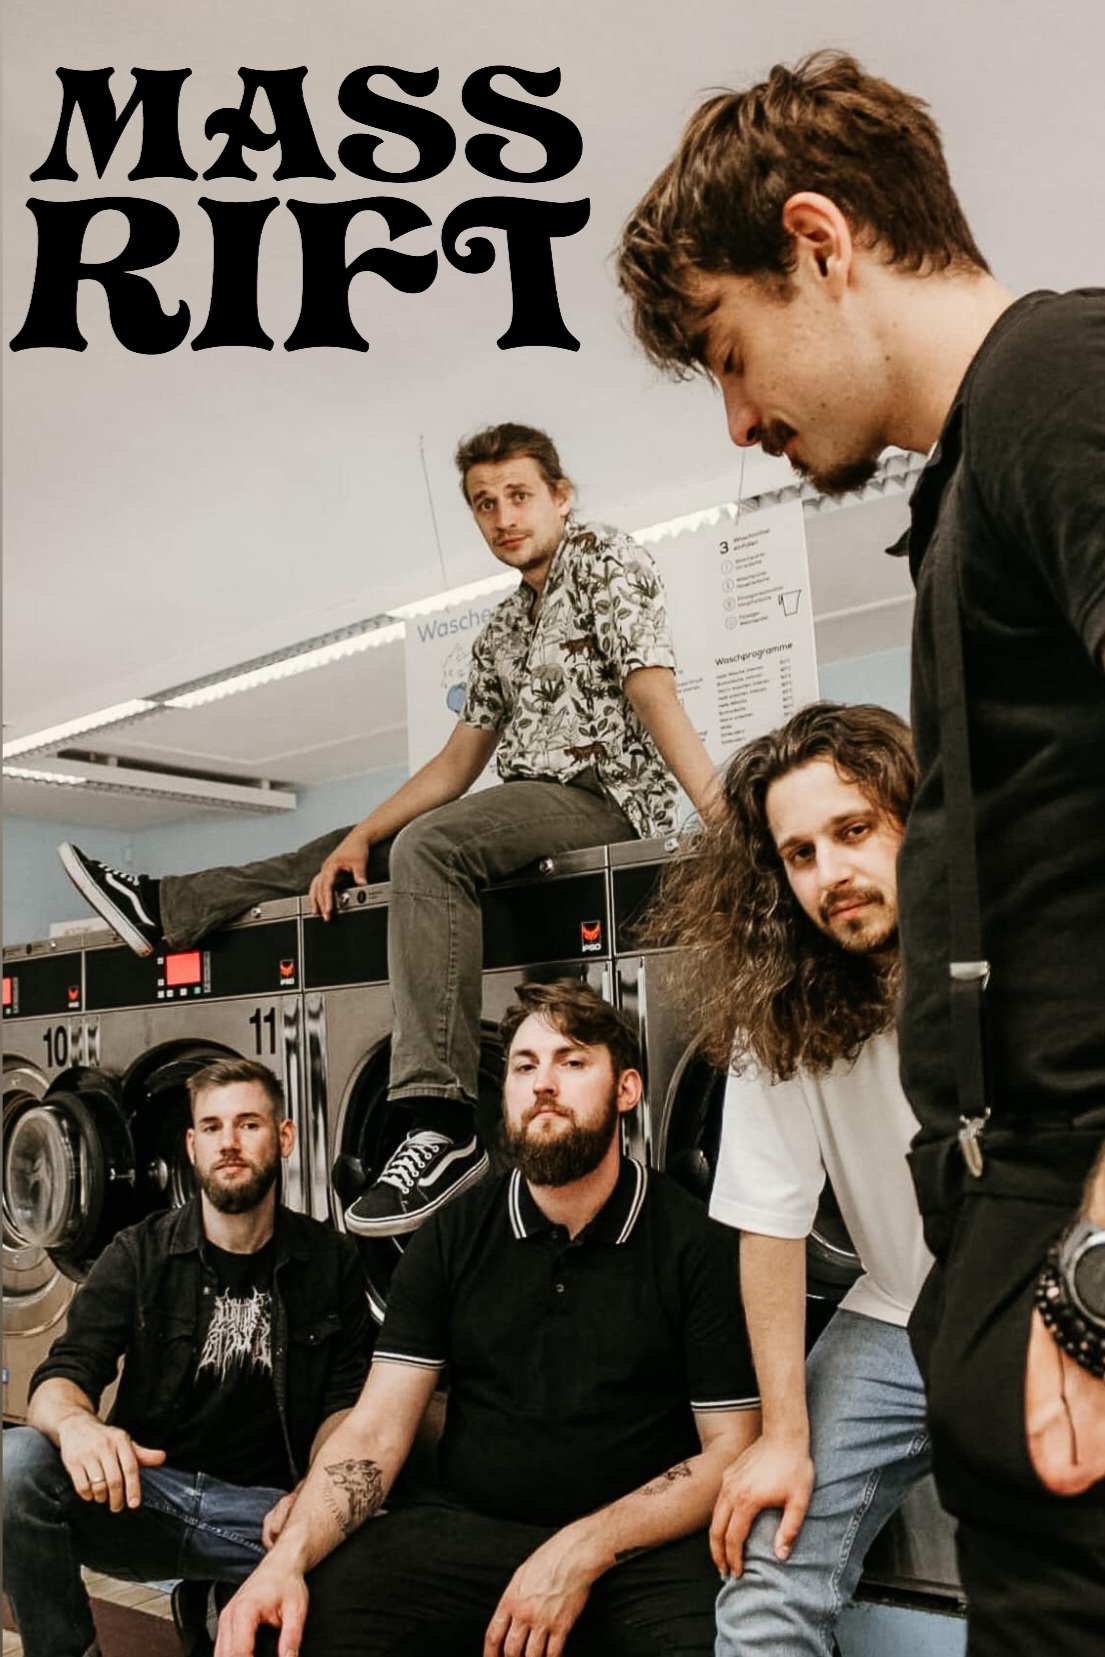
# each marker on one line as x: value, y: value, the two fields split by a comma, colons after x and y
x: 185, y: 968
x: 7, y: 992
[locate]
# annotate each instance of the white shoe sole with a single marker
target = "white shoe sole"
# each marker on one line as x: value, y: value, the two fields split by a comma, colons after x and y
x: 400, y: 1225
x: 93, y: 894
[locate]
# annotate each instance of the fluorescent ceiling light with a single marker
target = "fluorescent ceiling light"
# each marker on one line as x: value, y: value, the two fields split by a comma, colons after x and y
x: 455, y: 595
x: 53, y: 734
x: 285, y: 667
x: 23, y: 773
x: 163, y: 785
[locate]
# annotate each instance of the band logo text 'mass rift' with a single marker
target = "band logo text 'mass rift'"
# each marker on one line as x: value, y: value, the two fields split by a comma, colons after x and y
x: 140, y: 322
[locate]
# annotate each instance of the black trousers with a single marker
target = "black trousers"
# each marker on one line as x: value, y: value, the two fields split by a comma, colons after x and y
x: 1032, y: 1564
x: 424, y: 1579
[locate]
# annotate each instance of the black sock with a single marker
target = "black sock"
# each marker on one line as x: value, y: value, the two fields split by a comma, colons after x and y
x: 451, y: 1117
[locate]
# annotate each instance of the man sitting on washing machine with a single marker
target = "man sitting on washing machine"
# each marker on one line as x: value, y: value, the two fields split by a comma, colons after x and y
x: 572, y: 681
x: 599, y: 1382
x: 789, y: 912
x: 244, y: 1334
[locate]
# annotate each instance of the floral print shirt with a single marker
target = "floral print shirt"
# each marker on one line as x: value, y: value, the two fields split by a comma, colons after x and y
x: 553, y: 685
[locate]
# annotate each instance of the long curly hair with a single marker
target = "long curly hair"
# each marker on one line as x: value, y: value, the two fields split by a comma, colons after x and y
x: 757, y: 976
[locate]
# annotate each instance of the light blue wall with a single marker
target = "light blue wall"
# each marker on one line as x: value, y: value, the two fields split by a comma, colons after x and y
x: 37, y: 890
x: 36, y: 887
x: 178, y: 848
x: 882, y: 677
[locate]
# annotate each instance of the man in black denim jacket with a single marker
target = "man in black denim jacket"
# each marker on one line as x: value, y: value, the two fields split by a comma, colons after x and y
x: 245, y: 1334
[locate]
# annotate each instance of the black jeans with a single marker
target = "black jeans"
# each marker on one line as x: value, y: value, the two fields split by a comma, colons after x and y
x: 1032, y: 1564
x: 424, y: 1579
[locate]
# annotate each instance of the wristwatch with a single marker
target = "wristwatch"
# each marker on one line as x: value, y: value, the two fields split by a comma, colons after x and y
x: 1070, y: 1295
x: 1082, y: 1269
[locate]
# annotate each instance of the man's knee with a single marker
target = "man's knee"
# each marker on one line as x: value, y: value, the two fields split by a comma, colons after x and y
x: 424, y: 845
x: 33, y: 1472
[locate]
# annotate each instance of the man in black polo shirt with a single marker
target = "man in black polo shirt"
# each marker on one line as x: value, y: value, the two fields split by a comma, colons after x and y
x: 599, y: 1382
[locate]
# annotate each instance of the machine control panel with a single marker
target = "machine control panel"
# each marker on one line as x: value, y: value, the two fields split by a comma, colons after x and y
x: 560, y: 918
x: 248, y: 960
x: 42, y: 985
x: 352, y: 948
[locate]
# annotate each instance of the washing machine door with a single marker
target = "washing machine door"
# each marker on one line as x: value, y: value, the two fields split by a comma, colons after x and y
x: 69, y: 1172
x: 155, y: 1093
x: 36, y: 1294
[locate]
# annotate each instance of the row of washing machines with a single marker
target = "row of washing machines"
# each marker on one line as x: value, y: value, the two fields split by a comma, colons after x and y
x: 99, y: 1046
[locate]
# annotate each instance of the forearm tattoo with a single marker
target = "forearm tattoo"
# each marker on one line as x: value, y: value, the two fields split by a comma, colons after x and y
x: 629, y: 1553
x: 356, y: 1493
x: 679, y: 1471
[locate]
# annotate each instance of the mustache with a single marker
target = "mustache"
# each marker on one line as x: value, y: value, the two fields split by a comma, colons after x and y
x: 775, y: 436
x: 540, y: 1105
x: 831, y: 905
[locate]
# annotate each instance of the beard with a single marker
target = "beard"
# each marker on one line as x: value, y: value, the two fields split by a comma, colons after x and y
x: 872, y: 928
x: 841, y: 478
x: 244, y: 1195
x: 566, y: 1156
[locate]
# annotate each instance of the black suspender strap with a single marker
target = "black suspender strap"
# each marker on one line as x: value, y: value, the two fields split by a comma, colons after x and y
x: 968, y: 968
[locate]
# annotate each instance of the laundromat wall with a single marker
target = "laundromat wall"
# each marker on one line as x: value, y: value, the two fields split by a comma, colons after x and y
x: 37, y: 892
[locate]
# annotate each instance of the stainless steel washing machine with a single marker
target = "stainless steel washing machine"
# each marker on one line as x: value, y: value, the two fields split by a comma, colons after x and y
x: 913, y: 1560
x: 101, y: 1145
x: 44, y: 1033
x: 550, y: 921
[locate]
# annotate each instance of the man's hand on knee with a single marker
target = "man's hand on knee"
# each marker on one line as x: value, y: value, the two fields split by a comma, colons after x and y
x: 104, y: 1462
x: 542, y: 1602
x: 274, y: 1597
x: 1064, y: 1416
x: 770, y: 1474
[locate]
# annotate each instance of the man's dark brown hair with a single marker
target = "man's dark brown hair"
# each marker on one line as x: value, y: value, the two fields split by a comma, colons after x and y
x: 508, y: 442
x: 716, y: 209
x: 574, y: 1009
x: 225, y: 1072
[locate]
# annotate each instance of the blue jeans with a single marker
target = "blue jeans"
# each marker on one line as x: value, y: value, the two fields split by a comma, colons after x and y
x: 189, y: 1525
x: 869, y: 1444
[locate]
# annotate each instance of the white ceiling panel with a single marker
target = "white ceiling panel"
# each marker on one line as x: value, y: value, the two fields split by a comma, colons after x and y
x: 168, y: 516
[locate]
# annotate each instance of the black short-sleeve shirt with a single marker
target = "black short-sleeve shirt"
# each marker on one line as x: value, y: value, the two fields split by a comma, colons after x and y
x: 1018, y: 480
x: 574, y: 1365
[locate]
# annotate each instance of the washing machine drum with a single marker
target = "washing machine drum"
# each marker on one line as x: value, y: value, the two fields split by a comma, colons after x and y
x: 69, y: 1170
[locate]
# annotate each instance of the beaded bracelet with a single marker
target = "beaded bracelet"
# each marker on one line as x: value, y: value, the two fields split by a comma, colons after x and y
x: 1074, y: 1334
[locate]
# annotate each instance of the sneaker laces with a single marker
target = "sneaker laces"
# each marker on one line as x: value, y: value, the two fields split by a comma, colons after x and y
x: 125, y: 875
x: 406, y: 1165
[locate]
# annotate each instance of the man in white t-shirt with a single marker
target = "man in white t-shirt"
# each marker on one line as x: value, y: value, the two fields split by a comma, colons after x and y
x: 791, y: 914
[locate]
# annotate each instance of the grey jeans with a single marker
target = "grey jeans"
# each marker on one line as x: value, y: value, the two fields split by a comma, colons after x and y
x: 438, y: 865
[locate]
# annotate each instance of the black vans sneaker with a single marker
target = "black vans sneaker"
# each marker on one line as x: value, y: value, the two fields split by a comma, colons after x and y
x: 427, y: 1171
x: 128, y: 903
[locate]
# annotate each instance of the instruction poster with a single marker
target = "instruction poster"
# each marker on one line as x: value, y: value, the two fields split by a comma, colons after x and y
x: 738, y: 586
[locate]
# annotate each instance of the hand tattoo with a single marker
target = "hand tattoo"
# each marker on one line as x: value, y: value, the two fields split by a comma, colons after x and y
x: 362, y: 1485
x: 679, y: 1471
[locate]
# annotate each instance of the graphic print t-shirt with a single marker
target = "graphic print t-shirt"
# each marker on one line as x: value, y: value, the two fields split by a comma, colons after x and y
x: 229, y: 1424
